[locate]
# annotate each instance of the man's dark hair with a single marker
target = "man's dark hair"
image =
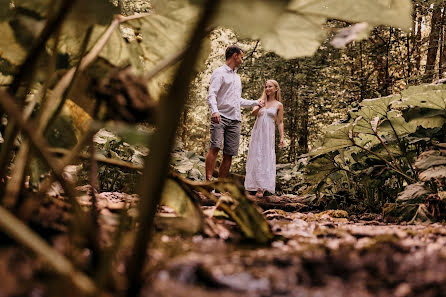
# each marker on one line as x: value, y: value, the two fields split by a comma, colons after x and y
x: 230, y: 50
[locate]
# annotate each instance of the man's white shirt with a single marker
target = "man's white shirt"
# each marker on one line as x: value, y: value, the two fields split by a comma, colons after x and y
x: 225, y: 93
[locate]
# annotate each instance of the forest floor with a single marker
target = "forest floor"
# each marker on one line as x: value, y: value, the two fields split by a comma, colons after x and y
x: 315, y: 254
x: 328, y: 253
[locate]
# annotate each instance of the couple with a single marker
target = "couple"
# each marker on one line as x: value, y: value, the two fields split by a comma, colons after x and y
x: 225, y: 101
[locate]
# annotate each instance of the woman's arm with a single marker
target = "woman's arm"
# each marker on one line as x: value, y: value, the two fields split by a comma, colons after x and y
x: 255, y: 110
x: 280, y: 124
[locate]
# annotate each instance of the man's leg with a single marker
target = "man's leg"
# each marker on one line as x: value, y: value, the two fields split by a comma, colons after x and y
x: 225, y: 165
x: 211, y: 159
x: 231, y: 144
x: 217, y: 136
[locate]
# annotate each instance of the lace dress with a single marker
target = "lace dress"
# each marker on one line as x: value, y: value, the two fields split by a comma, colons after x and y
x: 261, y: 164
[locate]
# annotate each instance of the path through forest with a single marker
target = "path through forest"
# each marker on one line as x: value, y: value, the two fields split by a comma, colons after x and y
x: 328, y: 253
x: 315, y: 254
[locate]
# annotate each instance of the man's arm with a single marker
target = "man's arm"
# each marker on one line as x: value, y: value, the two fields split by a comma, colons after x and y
x: 248, y: 103
x: 251, y: 103
x: 214, y: 87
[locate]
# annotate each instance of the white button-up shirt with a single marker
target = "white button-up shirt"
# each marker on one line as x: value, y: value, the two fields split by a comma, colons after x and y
x: 225, y: 93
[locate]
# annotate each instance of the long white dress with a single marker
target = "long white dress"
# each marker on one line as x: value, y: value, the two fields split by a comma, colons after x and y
x: 261, y: 163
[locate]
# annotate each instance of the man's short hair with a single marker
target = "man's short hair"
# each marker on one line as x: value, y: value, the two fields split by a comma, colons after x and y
x: 233, y: 49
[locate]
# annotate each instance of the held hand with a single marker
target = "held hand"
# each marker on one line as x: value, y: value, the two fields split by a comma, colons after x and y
x: 282, y: 144
x: 261, y: 103
x: 215, y: 117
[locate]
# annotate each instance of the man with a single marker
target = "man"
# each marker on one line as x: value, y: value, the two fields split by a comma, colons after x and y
x: 224, y: 101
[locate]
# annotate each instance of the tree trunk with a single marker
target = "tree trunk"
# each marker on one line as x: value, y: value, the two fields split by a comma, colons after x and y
x: 380, y: 63
x: 441, y: 64
x: 417, y: 41
x: 363, y: 84
x: 303, y: 125
x: 387, y: 81
x: 434, y: 37
x: 293, y: 117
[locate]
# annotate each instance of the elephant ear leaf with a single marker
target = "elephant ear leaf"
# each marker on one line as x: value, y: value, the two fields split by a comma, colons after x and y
x: 163, y: 34
x: 10, y: 49
x: 395, y: 13
x: 5, y: 10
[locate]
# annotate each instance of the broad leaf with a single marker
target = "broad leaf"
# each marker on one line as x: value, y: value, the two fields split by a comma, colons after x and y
x: 395, y: 13
x: 176, y: 198
x: 335, y: 139
x: 395, y: 123
x: 164, y: 34
x: 432, y: 99
x: 437, y: 172
x: 4, y: 9
x: 10, y: 50
x: 318, y: 170
x: 295, y: 35
x: 414, y: 193
x: 243, y: 15
x: 39, y: 7
x: 380, y: 105
x: 430, y: 159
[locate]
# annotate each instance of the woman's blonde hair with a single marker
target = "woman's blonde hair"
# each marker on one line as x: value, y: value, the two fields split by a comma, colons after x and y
x: 278, y: 96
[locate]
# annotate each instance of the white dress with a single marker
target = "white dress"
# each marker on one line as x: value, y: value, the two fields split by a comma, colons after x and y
x: 261, y: 163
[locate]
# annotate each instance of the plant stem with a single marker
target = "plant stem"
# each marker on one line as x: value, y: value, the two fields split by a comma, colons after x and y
x: 51, y: 26
x: 40, y: 144
x: 408, y: 178
x: 26, y: 71
x: 24, y: 235
x: 156, y: 163
x: 388, y: 151
x: 65, y: 81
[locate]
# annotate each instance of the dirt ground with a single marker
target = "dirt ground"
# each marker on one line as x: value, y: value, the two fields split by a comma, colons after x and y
x: 313, y: 254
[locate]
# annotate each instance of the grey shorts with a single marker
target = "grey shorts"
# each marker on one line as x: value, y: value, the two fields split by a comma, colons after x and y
x: 229, y: 132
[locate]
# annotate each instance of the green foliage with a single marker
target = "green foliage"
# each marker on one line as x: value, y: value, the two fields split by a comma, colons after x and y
x: 188, y: 164
x: 295, y: 28
x: 375, y: 149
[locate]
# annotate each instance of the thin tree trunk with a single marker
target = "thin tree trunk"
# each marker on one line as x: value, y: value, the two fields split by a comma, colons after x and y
x: 303, y: 135
x: 361, y: 68
x: 433, y: 43
x: 293, y: 120
x: 417, y: 41
x: 409, y: 63
x: 442, y: 45
x: 387, y: 70
x: 380, y: 63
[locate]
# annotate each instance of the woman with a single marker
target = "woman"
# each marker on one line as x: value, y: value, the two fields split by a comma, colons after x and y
x: 261, y: 164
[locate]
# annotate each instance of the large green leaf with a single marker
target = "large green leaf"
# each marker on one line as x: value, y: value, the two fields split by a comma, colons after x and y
x: 39, y: 7
x: 336, y: 138
x: 163, y: 34
x: 395, y: 123
x: 295, y: 35
x: 87, y: 12
x: 414, y: 193
x: 176, y: 198
x: 381, y: 105
x: 429, y: 159
x: 433, y: 98
x: 297, y: 30
x: 10, y: 50
x: 244, y: 16
x: 396, y: 13
x: 437, y: 172
x: 4, y: 9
